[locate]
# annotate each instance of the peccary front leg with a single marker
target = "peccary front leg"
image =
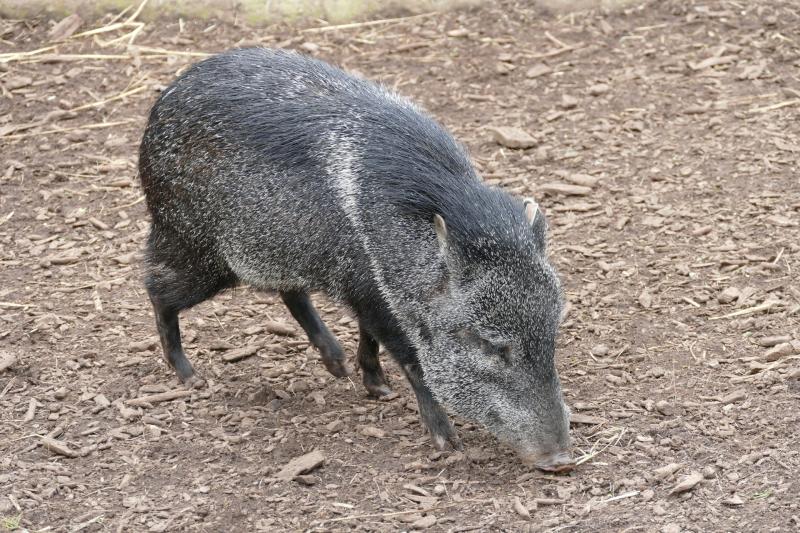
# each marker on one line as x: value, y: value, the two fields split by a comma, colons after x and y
x: 329, y: 348
x: 434, y: 417
x: 372, y: 374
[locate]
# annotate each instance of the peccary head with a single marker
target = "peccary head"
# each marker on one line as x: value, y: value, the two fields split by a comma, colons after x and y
x: 494, y: 320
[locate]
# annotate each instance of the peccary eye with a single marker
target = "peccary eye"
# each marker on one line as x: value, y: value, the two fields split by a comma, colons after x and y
x: 494, y: 349
x: 503, y: 351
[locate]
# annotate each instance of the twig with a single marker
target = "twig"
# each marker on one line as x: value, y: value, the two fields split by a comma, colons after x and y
x: 99, y: 125
x: 104, y: 29
x: 6, y: 218
x: 749, y: 311
x: 164, y: 51
x: 556, y: 41
x: 160, y: 397
x: 11, y: 56
x: 131, y: 204
x: 397, y: 513
x: 622, y: 496
x: 592, y: 455
x: 773, y: 107
x: 107, y: 100
x: 559, y: 51
x: 365, y: 24
x: 136, y: 13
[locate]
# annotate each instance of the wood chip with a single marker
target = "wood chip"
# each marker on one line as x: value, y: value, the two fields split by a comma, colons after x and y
x: 65, y: 27
x: 735, y: 396
x: 512, y: 137
x: 372, y: 431
x: 59, y: 447
x: 153, y: 399
x: 6, y: 360
x: 521, y: 509
x: 564, y: 188
x: 424, y: 523
x: 782, y: 350
x: 537, y: 70
x: 733, y: 501
x: 579, y: 418
x: 301, y: 465
x: 585, y: 180
x: 773, y: 340
x: 280, y: 328
x: 729, y: 295
x: 241, y: 353
x: 687, y: 483
x: 666, y: 470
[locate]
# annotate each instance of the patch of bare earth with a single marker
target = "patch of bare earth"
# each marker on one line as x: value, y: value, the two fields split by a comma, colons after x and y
x: 663, y: 142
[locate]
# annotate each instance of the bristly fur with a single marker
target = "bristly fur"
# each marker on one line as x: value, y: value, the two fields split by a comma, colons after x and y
x: 274, y: 169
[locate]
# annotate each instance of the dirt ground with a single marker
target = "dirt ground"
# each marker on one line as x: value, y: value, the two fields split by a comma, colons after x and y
x: 666, y: 155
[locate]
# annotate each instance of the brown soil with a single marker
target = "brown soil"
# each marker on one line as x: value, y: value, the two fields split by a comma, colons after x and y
x: 678, y: 262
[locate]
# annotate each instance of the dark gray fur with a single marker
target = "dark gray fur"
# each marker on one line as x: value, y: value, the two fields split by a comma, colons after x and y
x: 276, y: 170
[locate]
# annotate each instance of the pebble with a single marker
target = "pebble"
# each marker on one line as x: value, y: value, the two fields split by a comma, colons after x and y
x: 598, y: 89
x: 335, y: 426
x: 372, y: 431
x: 568, y: 102
x: 728, y: 295
x: 600, y: 350
x: 60, y: 393
x: 424, y: 523
x: 664, y: 407
x: 540, y: 69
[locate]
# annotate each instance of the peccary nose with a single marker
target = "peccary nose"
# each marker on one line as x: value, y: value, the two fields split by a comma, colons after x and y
x: 552, y: 462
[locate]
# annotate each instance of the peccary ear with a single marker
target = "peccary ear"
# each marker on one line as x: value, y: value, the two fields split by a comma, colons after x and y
x: 536, y: 219
x: 441, y: 231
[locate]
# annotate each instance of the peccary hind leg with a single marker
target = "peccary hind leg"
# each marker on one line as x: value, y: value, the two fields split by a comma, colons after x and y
x: 372, y: 373
x: 329, y: 348
x: 173, y: 284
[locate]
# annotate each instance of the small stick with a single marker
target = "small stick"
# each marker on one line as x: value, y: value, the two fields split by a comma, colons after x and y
x: 99, y: 125
x: 6, y: 218
x: 104, y: 29
x: 6, y: 56
x: 107, y: 100
x: 58, y: 447
x: 365, y: 24
x: 397, y: 513
x: 171, y: 52
x: 773, y: 107
x: 136, y: 13
x: 160, y: 397
x: 621, y: 496
x: 559, y: 51
x: 749, y: 311
x: 74, y: 57
x: 555, y: 40
x: 137, y: 201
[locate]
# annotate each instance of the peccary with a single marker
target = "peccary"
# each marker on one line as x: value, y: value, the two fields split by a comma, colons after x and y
x: 276, y: 170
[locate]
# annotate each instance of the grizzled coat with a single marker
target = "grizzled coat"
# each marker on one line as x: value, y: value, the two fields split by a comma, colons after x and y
x: 276, y: 170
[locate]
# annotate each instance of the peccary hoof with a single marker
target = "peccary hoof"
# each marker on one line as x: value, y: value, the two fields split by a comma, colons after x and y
x: 379, y: 390
x: 444, y: 443
x: 194, y: 382
x: 337, y: 367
